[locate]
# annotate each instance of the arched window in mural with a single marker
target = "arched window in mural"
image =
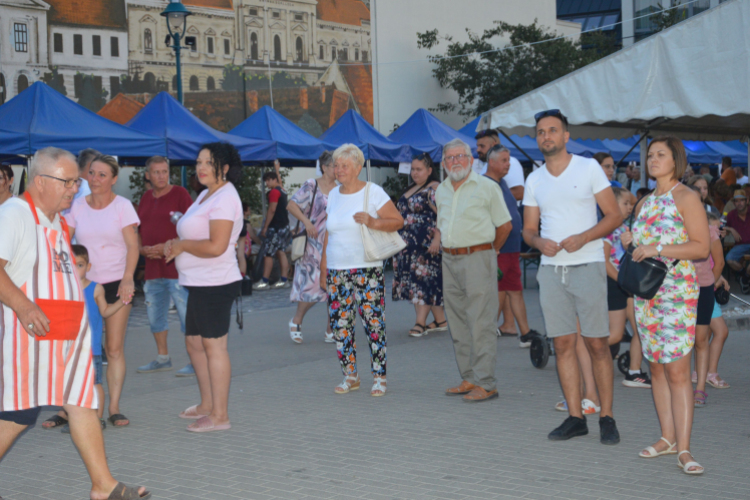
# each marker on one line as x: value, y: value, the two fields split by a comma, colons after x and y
x: 194, y: 83
x: 334, y: 53
x: 277, y: 48
x: 345, y: 55
x: 299, y: 49
x: 210, y: 83
x: 150, y: 81
x: 356, y: 54
x: 148, y: 41
x: 254, y: 46
x: 174, y: 83
x: 3, y: 92
x: 23, y: 83
x: 322, y: 55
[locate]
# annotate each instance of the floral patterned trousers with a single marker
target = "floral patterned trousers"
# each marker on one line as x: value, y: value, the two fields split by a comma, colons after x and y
x: 363, y: 287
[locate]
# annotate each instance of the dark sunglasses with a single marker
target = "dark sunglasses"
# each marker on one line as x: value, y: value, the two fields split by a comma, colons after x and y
x: 551, y: 112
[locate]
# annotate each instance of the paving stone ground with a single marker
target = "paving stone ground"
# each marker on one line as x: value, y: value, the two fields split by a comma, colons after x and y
x: 293, y: 438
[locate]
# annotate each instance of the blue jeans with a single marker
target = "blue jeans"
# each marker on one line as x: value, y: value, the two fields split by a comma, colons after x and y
x: 157, y: 293
x: 737, y: 251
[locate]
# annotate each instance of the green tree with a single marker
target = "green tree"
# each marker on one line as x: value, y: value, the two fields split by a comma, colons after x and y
x: 232, y: 77
x: 485, y: 77
x: 664, y: 19
x: 55, y: 80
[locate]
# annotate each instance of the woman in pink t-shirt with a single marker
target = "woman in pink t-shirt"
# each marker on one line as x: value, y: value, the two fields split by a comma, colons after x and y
x: 206, y: 261
x: 105, y: 224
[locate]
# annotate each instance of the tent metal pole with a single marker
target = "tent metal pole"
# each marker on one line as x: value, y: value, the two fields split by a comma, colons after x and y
x: 631, y: 149
x: 644, y: 154
x: 368, y: 171
x: 517, y: 146
x: 262, y: 191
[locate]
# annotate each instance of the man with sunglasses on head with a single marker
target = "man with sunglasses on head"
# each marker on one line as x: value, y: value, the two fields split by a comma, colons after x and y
x: 486, y: 140
x: 563, y: 195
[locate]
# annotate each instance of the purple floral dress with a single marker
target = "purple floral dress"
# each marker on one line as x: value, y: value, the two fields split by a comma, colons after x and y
x: 306, y: 284
x: 417, y: 275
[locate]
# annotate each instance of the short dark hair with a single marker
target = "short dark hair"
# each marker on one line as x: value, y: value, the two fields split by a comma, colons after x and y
x: 642, y: 192
x: 223, y: 153
x: 555, y: 113
x: 601, y: 156
x: 326, y: 158
x: 270, y: 175
x: 86, y: 156
x: 490, y: 132
x: 156, y: 159
x: 727, y: 160
x: 619, y: 192
x: 81, y: 251
x: 678, y: 153
x: 8, y: 171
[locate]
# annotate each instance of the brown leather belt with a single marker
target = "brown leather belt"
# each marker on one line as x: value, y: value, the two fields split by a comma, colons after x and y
x: 468, y: 250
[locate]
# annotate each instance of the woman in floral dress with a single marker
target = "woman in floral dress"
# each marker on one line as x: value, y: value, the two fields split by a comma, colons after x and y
x: 670, y: 225
x: 306, y: 290
x: 417, y: 271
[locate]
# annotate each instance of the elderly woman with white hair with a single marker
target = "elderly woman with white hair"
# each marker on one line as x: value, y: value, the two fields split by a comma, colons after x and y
x: 348, y: 277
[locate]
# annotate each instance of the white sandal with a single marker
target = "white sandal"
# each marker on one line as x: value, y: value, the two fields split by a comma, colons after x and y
x: 377, y: 388
x: 329, y: 338
x: 686, y: 467
x: 296, y: 336
x: 343, y: 387
x: 652, y: 453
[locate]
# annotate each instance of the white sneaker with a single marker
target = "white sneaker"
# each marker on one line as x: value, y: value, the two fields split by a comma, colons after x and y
x: 261, y: 285
x: 589, y: 408
x: 281, y: 284
x: 329, y: 338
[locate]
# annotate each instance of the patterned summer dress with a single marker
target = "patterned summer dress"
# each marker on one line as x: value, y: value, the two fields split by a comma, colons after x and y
x: 417, y: 274
x: 666, y: 323
x: 306, y: 284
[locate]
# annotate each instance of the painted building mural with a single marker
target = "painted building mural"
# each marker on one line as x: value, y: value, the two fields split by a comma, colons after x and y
x: 112, y: 56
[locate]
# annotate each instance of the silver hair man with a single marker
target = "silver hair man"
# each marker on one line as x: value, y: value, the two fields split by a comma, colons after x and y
x: 457, y: 171
x: 45, y: 159
x: 496, y: 151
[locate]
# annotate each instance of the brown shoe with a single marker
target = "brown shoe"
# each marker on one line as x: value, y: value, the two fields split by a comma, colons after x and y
x: 464, y: 388
x: 478, y: 394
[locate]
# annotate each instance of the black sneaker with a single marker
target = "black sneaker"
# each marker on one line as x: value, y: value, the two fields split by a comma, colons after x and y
x: 744, y: 284
x: 608, y: 431
x: 639, y: 379
x: 526, y: 337
x: 572, y: 427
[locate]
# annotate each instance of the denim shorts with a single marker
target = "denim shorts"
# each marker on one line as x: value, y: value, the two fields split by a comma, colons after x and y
x: 158, y: 293
x: 98, y: 370
x: 737, y: 252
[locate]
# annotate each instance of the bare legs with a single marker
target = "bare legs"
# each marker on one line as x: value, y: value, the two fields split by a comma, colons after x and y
x: 587, y: 371
x: 568, y: 372
x: 720, y: 334
x: 702, y: 336
x: 514, y: 308
x: 161, y: 343
x: 636, y: 354
x: 283, y: 264
x: 117, y: 325
x: 603, y: 371
x: 213, y: 369
x: 509, y: 324
x: 616, y: 326
x: 302, y: 308
x: 423, y: 311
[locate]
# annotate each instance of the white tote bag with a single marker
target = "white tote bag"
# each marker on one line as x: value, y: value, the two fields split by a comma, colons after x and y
x: 379, y: 245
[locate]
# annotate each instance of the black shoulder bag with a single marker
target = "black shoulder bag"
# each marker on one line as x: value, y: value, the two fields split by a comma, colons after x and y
x: 642, y: 279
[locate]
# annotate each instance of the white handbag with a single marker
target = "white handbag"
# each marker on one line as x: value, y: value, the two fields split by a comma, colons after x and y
x: 379, y: 245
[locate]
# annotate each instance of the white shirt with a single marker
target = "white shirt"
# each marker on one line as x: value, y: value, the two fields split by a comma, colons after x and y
x: 345, y: 249
x: 567, y: 207
x: 18, y: 241
x: 513, y: 178
x: 742, y: 181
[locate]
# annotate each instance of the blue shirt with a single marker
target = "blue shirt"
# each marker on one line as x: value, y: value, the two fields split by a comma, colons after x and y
x: 95, y: 319
x: 615, y: 184
x: 513, y: 243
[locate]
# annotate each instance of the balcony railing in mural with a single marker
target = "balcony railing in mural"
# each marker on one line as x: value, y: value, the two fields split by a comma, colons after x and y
x: 278, y: 64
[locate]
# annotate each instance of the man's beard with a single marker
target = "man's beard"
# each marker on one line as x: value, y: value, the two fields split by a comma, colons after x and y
x: 482, y: 156
x: 460, y: 174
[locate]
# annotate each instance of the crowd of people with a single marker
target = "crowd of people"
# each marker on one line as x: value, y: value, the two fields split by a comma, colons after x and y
x: 71, y: 246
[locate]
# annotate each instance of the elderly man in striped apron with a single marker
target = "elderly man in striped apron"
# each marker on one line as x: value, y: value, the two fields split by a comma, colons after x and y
x: 45, y: 339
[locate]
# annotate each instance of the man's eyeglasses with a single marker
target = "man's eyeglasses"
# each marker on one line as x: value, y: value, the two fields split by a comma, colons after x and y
x: 551, y: 112
x: 69, y: 183
x: 451, y: 159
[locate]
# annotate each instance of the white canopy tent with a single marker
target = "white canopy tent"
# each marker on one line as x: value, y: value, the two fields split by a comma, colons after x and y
x: 690, y: 80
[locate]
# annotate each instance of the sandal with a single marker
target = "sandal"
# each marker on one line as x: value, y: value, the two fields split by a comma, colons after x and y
x: 501, y: 333
x: 118, y: 417
x: 700, y: 398
x: 205, y: 424
x: 378, y: 389
x: 56, y: 421
x: 295, y: 335
x: 716, y: 382
x: 344, y: 387
x: 329, y: 339
x: 652, y: 453
x: 418, y: 330
x: 686, y: 467
x: 437, y: 327
x: 191, y: 413
x: 122, y: 492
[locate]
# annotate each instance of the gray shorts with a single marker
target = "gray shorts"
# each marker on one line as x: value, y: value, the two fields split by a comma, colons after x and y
x: 570, y: 293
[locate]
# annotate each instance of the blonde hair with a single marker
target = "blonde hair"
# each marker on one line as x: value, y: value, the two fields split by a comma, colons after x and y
x: 110, y: 161
x: 349, y: 152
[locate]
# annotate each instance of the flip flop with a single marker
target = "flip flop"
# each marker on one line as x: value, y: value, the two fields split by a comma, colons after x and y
x: 191, y: 413
x: 56, y: 421
x: 122, y: 492
x: 118, y: 417
x: 205, y: 424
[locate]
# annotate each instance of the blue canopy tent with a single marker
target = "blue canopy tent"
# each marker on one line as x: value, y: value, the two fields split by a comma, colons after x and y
x: 185, y: 133
x: 292, y: 143
x: 352, y: 128
x: 736, y: 150
x: 423, y: 131
x: 40, y: 116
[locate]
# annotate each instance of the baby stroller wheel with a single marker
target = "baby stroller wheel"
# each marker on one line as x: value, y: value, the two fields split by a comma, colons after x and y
x: 623, y: 362
x: 539, y: 351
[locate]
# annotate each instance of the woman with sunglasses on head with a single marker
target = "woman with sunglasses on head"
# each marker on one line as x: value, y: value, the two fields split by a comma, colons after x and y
x: 417, y: 269
x: 6, y: 183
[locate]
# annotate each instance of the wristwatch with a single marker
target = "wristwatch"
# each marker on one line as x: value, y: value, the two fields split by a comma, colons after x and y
x: 659, y: 248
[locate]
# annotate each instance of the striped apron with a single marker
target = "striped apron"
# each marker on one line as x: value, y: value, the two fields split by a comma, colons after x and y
x: 37, y: 372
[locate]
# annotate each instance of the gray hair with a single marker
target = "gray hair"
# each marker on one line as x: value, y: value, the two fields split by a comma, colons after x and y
x: 496, y: 150
x: 349, y: 152
x: 86, y: 156
x: 457, y: 143
x: 45, y: 159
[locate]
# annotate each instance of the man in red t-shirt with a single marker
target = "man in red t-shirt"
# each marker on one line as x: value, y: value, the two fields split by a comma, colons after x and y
x: 155, y: 211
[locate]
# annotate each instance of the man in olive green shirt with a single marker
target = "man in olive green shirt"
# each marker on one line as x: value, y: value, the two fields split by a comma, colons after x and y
x: 473, y: 222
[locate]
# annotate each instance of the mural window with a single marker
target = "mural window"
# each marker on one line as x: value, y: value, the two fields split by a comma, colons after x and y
x: 78, y: 45
x: 114, y: 46
x: 194, y: 46
x: 77, y: 85
x: 114, y: 86
x: 210, y: 44
x: 150, y: 81
x: 21, y: 38
x: 194, y: 83
x: 345, y: 54
x: 96, y: 41
x: 253, y: 12
x: 322, y: 55
x: 254, y: 46
x: 364, y: 56
x: 334, y: 53
x: 299, y: 50
x: 276, y: 14
x: 148, y: 41
x: 299, y: 17
x: 174, y: 82
x: 277, y: 48
x: 23, y: 83
x: 210, y: 83
x: 58, y: 42
x: 356, y: 54
x: 227, y: 47
x: 2, y: 88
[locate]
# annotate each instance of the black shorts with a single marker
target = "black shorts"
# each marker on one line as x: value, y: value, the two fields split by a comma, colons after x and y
x: 110, y: 291
x: 209, y: 309
x: 617, y: 298
x: 21, y: 417
x: 705, y: 305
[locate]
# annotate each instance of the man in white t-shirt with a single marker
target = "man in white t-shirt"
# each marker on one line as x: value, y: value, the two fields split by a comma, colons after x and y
x: 572, y: 278
x: 486, y: 140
